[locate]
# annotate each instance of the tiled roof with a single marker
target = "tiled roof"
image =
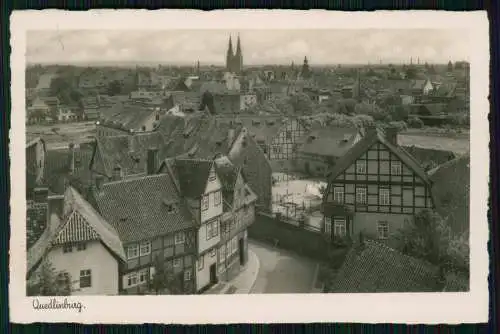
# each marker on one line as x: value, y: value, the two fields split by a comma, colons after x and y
x: 36, y: 252
x: 36, y: 221
x: 332, y: 142
x: 192, y: 175
x: 127, y: 116
x: 129, y: 152
x: 261, y: 128
x: 139, y: 208
x: 85, y: 223
x: 364, y: 144
x: 451, y: 191
x: 429, y: 158
x: 374, y: 267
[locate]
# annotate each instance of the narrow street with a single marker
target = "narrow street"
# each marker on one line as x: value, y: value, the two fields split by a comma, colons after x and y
x: 281, y: 271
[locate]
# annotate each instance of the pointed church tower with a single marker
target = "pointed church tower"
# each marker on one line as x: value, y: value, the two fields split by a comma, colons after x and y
x: 305, y: 68
x: 229, y: 56
x: 238, y: 58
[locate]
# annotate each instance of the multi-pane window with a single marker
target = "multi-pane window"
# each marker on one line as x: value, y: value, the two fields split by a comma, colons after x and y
x: 234, y: 245
x: 383, y: 229
x: 217, y: 198
x: 177, y: 262
x: 339, y: 227
x: 204, y: 203
x: 145, y: 248
x: 384, y: 196
x: 143, y: 276
x: 213, y: 252
x: 361, y: 195
x: 222, y: 253
x: 67, y: 248
x: 361, y: 167
x: 396, y: 168
x: 328, y: 225
x: 132, y: 279
x: 132, y: 251
x: 338, y: 194
x: 179, y: 238
x: 212, y: 229
x: 85, y: 278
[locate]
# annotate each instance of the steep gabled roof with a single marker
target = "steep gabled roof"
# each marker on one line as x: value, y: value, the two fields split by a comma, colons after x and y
x: 228, y: 174
x: 192, y: 175
x: 374, y: 267
x: 364, y: 144
x: 85, y: 223
x: 143, y: 208
x: 331, y: 142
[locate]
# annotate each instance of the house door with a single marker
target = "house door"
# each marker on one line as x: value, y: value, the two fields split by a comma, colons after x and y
x: 213, y: 273
x: 241, y: 248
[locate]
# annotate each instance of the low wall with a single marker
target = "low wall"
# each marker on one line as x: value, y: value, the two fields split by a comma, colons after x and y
x: 288, y: 236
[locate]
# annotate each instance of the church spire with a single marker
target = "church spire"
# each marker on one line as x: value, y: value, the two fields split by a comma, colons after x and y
x: 238, y: 47
x: 230, y: 47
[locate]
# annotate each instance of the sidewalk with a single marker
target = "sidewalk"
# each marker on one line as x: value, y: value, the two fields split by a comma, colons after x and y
x: 241, y: 284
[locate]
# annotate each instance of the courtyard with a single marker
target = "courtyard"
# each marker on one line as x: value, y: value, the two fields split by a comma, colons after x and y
x: 282, y: 271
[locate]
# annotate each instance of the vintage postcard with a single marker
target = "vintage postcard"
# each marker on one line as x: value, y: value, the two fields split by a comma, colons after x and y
x: 249, y: 166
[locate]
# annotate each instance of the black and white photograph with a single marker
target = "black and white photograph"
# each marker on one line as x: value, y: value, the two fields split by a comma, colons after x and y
x: 240, y: 161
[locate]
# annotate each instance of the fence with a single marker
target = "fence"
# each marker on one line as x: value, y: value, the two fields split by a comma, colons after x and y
x: 291, y: 235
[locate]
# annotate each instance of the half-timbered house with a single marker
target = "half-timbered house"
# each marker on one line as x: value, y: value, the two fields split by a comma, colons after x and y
x: 375, y: 188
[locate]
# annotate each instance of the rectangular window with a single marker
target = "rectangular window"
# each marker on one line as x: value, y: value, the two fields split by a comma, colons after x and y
x: 340, y: 229
x: 177, y: 262
x: 146, y: 248
x: 213, y: 252
x: 338, y: 194
x: 212, y: 229
x: 217, y: 198
x: 67, y: 248
x: 383, y: 229
x: 396, y: 168
x: 361, y: 195
x: 384, y: 197
x: 179, y: 238
x: 81, y: 246
x: 289, y: 135
x: 222, y: 254
x: 132, y: 279
x: 85, y: 278
x: 187, y: 275
x: 361, y: 167
x: 132, y: 251
x: 204, y: 203
x: 201, y: 262
x: 143, y: 276
x: 234, y: 245
x: 328, y: 225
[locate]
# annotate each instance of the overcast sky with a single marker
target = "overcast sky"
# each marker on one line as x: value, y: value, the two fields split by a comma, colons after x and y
x: 259, y: 46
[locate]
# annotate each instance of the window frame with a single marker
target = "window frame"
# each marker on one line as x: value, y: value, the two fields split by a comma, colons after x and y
x: 217, y: 198
x: 87, y: 273
x: 205, y: 202
x: 328, y: 225
x: 178, y: 240
x: 134, y: 246
x: 383, y: 226
x: 222, y: 253
x: 132, y: 279
x: 213, y: 252
x: 399, y: 169
x: 384, y: 195
x: 361, y: 191
x: 359, y: 164
x: 143, y: 273
x: 336, y: 191
x: 187, y: 275
x: 339, y: 224
x: 145, y: 244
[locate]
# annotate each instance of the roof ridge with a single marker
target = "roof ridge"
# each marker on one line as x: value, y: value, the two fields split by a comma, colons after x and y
x: 142, y: 177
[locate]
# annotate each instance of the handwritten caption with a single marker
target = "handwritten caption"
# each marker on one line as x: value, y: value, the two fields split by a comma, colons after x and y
x: 57, y: 304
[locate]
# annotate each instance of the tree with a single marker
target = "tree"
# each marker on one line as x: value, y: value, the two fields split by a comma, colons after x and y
x: 114, y: 88
x: 346, y: 106
x: 415, y: 122
x: 411, y: 72
x: 301, y: 104
x: 48, y: 282
x: 165, y: 281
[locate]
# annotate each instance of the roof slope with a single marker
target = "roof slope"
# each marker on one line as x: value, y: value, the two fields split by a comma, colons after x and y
x: 450, y: 188
x: 143, y: 208
x: 329, y: 142
x: 364, y: 144
x: 374, y: 267
x: 93, y: 224
x: 192, y: 175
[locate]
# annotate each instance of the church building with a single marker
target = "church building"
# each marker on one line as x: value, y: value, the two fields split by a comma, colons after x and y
x: 234, y: 62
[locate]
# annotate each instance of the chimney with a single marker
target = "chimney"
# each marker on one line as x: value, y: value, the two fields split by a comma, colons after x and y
x: 152, y: 162
x: 230, y: 137
x: 41, y: 194
x: 391, y: 134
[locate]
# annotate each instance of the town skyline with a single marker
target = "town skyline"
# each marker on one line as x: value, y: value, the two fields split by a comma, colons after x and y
x: 279, y: 47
